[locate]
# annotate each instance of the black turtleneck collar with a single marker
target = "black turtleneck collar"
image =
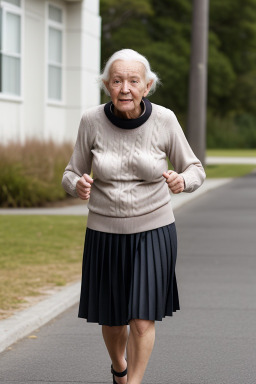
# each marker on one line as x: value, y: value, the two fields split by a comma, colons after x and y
x: 129, y: 123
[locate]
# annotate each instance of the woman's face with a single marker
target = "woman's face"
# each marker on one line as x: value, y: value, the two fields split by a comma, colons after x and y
x: 127, y: 85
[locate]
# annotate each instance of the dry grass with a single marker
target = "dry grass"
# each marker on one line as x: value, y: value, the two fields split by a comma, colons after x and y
x: 31, y: 173
x: 37, y: 254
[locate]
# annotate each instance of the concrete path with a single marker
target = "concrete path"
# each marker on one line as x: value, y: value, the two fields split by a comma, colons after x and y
x: 81, y: 209
x: 230, y: 160
x: 210, y: 341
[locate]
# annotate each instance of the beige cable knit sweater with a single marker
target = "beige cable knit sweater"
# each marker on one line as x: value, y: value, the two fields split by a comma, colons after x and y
x: 129, y: 193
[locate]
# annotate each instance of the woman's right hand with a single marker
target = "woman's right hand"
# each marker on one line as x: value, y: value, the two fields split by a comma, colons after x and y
x: 83, y: 186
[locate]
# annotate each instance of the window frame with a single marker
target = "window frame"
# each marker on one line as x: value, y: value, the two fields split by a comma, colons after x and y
x: 13, y: 9
x: 60, y: 27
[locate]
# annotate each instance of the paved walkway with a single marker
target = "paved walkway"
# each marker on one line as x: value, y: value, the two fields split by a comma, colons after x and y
x: 210, y: 341
x: 230, y: 160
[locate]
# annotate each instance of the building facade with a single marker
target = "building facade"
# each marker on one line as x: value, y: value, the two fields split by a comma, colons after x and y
x: 49, y: 63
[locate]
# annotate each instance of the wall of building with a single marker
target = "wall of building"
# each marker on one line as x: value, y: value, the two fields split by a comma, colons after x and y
x: 83, y: 62
x: 34, y: 69
x: 33, y: 115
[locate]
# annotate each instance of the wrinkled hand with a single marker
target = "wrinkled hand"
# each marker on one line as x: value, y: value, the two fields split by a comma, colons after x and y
x: 175, y: 181
x: 83, y: 186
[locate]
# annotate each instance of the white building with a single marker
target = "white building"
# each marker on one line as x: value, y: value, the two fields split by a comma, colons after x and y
x: 49, y: 62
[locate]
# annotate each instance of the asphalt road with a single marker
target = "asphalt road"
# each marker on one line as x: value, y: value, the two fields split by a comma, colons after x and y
x: 212, y: 340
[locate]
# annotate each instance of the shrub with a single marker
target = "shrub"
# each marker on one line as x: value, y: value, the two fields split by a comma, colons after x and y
x: 31, y: 173
x: 237, y: 131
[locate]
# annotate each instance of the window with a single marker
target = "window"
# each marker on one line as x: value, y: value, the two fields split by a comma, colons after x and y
x: 14, y: 2
x: 10, y: 47
x: 55, y: 54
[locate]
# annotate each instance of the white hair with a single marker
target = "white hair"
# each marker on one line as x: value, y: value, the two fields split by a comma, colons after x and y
x: 128, y: 55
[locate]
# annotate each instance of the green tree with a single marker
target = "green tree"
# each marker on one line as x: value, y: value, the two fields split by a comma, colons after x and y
x: 161, y: 29
x: 233, y: 50
x: 122, y: 24
x: 151, y: 27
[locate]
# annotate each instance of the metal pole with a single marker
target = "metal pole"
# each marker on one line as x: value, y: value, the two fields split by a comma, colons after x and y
x: 196, y: 124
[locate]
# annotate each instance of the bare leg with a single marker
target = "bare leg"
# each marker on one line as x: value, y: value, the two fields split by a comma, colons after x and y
x: 140, y: 345
x: 116, y: 339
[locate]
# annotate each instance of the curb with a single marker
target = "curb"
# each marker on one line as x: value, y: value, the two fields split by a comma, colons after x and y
x: 24, y: 322
x: 28, y: 320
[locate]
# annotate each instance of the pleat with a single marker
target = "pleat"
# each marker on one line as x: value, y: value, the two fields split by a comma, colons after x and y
x: 136, y: 276
x: 151, y: 277
x: 160, y: 273
x: 130, y: 276
x: 173, y: 296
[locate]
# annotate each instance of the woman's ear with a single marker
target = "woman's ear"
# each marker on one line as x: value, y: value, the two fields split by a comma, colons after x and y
x: 106, y: 83
x: 149, y: 85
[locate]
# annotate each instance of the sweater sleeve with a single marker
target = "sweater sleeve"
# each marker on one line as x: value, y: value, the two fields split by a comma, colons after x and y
x: 81, y: 159
x: 182, y: 157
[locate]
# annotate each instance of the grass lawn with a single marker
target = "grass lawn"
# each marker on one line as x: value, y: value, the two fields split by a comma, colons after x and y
x: 231, y: 152
x: 228, y: 170
x: 38, y: 253
x: 225, y: 170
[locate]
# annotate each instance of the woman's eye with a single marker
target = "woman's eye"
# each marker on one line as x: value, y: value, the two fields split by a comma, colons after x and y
x: 116, y: 81
x: 134, y: 81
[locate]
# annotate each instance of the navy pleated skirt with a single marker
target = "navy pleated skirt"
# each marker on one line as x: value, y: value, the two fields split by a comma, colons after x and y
x: 129, y: 276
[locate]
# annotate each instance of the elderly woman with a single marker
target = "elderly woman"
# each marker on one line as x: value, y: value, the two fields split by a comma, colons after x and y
x: 128, y: 274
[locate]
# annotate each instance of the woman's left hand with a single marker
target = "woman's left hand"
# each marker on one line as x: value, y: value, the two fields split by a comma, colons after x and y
x: 175, y: 181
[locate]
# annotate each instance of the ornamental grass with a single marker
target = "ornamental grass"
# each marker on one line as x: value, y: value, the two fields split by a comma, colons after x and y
x: 31, y: 173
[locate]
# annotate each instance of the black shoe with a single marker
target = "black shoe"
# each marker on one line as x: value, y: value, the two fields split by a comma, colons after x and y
x: 117, y: 374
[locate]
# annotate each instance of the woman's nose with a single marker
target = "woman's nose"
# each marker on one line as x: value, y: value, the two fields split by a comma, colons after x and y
x: 125, y: 87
